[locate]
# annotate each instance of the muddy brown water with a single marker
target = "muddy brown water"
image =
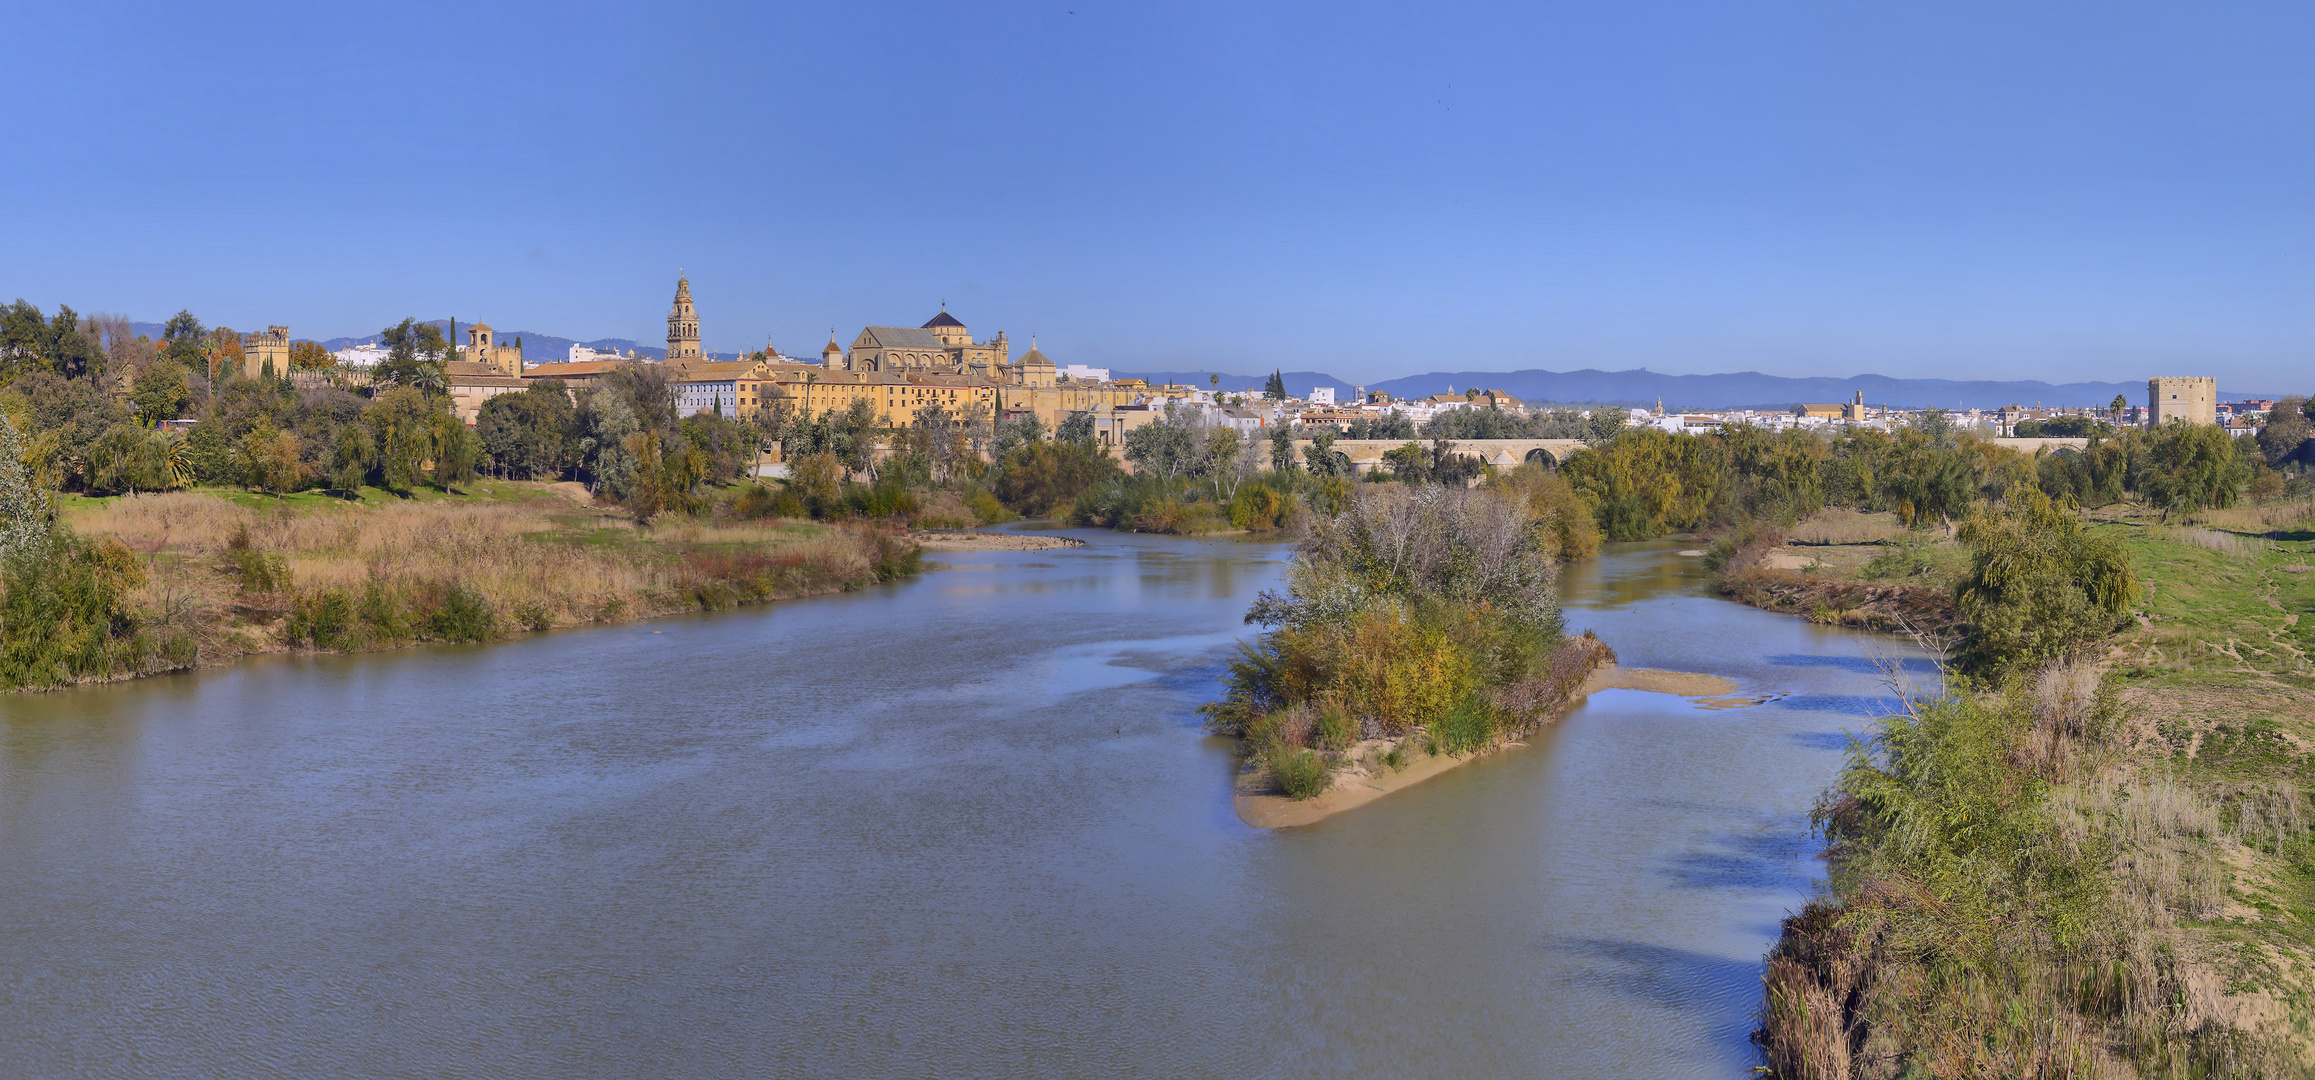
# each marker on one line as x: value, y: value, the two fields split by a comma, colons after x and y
x: 963, y: 825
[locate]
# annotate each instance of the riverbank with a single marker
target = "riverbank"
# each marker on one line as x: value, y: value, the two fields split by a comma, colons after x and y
x: 966, y: 540
x: 228, y: 575
x: 1845, y: 568
x: 1367, y: 772
x: 2153, y: 801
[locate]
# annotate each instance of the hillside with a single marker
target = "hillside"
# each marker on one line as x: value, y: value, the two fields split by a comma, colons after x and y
x: 1744, y: 389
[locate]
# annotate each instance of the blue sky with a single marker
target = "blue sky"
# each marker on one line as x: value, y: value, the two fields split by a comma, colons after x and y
x: 2000, y: 190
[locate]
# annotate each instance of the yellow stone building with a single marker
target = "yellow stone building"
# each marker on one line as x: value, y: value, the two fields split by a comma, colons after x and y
x: 2191, y: 400
x: 942, y: 346
x: 257, y: 350
x: 485, y: 349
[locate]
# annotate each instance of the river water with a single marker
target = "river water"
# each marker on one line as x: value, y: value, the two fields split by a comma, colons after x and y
x: 963, y: 825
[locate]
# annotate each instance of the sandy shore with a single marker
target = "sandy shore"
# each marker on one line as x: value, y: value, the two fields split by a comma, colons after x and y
x: 1357, y: 786
x: 959, y: 540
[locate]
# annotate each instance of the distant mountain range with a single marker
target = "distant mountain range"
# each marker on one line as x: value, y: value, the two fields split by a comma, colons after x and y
x: 537, y: 348
x: 1741, y: 390
x: 1640, y: 387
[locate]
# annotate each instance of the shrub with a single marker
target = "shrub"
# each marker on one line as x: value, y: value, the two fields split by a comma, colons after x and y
x: 758, y: 501
x: 64, y: 614
x: 988, y: 508
x: 1300, y: 774
x: 463, y: 615
x: 1336, y: 730
x: 1905, y: 557
x: 322, y: 620
x: 260, y: 572
x: 1469, y: 726
x: 2039, y: 587
x: 1260, y: 507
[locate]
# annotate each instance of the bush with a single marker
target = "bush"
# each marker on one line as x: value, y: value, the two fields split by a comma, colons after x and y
x: 259, y: 572
x: 2040, y: 586
x: 1422, y: 607
x: 64, y: 615
x: 463, y: 615
x: 1260, y: 508
x: 1469, y: 726
x: 1300, y: 774
x: 987, y: 507
x: 322, y: 620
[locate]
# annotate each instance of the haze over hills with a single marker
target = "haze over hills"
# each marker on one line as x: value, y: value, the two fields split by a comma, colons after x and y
x: 1635, y: 388
x: 537, y: 348
x: 1744, y: 389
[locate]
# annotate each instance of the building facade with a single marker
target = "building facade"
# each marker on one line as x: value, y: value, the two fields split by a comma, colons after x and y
x: 483, y: 347
x: 2190, y: 400
x: 942, y: 346
x: 703, y: 386
x: 260, y: 350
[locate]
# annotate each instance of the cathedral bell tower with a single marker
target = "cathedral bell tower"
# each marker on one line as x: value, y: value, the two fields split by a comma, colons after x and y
x: 682, y: 323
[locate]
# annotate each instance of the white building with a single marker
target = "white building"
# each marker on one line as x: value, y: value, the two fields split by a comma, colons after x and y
x: 718, y: 396
x: 1081, y: 373
x: 1322, y: 395
x: 366, y: 355
x: 580, y: 354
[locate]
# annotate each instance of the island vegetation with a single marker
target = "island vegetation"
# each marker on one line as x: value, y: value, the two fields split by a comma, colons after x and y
x: 1419, y: 620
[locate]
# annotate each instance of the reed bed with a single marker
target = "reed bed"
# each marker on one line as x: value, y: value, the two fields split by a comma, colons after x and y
x: 366, y: 576
x: 2225, y: 543
x: 1841, y: 526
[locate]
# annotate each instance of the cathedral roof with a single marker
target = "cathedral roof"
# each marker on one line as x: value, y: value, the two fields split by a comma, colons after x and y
x: 943, y: 319
x: 1034, y: 356
x: 904, y: 337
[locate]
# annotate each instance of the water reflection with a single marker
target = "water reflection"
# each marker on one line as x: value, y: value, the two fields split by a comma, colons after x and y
x: 960, y: 826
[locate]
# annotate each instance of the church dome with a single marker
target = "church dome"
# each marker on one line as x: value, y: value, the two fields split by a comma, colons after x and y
x: 943, y: 319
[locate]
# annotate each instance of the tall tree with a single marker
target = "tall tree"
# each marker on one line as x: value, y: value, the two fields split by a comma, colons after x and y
x: 415, y: 353
x: 310, y: 356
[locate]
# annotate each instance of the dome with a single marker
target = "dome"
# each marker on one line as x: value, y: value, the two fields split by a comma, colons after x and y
x: 943, y: 319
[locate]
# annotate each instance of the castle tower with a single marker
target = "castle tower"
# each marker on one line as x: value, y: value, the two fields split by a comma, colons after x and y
x: 832, y: 357
x: 2191, y: 400
x: 682, y: 323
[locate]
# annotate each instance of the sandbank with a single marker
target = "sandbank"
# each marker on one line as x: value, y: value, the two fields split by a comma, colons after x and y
x: 1357, y: 785
x: 960, y: 540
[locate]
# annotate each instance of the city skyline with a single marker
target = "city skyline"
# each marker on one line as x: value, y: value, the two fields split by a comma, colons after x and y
x: 1974, y: 192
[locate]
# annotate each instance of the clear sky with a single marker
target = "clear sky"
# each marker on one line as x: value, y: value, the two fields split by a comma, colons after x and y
x: 1972, y: 190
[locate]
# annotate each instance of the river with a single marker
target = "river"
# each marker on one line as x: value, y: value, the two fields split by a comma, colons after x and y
x: 960, y: 826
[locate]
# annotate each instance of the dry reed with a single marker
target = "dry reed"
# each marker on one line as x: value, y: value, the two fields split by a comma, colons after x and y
x: 1840, y: 526
x: 504, y: 551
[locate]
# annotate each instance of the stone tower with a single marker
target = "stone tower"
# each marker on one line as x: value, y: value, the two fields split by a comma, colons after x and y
x: 2191, y: 400
x: 682, y: 324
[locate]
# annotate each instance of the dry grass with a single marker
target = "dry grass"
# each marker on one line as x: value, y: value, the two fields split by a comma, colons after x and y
x: 2225, y: 543
x: 2262, y: 517
x: 1839, y: 526
x: 538, y: 563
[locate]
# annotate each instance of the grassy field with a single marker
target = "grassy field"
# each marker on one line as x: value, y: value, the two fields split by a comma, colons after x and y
x: 252, y: 573
x: 2189, y: 801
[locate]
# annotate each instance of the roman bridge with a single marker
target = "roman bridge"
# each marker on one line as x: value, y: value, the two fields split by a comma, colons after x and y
x: 1366, y: 455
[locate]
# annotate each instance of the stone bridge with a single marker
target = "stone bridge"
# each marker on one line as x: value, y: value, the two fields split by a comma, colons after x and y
x: 1366, y: 455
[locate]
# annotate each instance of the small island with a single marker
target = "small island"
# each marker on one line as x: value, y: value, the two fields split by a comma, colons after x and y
x: 1420, y: 628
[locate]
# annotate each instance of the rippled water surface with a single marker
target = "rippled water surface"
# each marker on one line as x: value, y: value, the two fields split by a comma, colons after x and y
x: 963, y: 825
